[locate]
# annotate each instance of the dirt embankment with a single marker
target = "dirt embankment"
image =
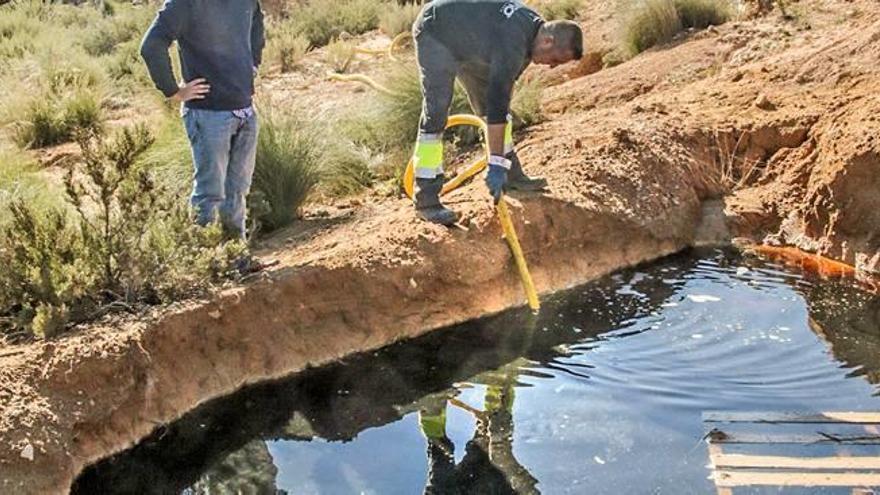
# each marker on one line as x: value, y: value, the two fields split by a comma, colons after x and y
x: 781, y: 114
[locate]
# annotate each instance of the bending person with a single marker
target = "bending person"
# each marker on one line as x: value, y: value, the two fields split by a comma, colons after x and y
x: 487, y: 44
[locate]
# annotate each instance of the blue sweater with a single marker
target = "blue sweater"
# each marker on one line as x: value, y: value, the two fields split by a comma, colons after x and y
x: 219, y: 40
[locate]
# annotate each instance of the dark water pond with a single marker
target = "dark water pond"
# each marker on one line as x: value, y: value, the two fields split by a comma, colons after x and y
x: 602, y: 393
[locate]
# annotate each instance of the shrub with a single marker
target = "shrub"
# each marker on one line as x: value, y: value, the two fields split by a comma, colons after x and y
x: 51, y: 119
x: 170, y: 157
x: 50, y: 98
x: 285, y: 48
x: 388, y: 122
x: 21, y: 180
x: 340, y: 54
x: 345, y: 168
x: 553, y: 10
x: 286, y: 171
x: 321, y: 21
x: 649, y: 22
x: 526, y: 104
x: 700, y: 14
x: 128, y: 23
x: 646, y: 23
x: 127, y: 243
x: 397, y: 18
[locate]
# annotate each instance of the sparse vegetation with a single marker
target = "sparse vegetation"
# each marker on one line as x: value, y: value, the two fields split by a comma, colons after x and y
x: 345, y: 168
x: 646, y: 23
x: 321, y: 21
x: 553, y: 10
x: 526, y: 104
x: 700, y: 14
x: 22, y: 180
x: 288, y: 157
x: 125, y: 243
x: 285, y: 49
x: 340, y: 54
x: 398, y: 18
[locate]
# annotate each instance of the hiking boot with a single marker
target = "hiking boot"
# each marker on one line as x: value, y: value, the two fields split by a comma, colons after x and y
x: 517, y: 180
x: 427, y: 202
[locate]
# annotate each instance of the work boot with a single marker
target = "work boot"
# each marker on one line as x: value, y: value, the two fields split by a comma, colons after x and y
x: 427, y: 202
x: 517, y: 180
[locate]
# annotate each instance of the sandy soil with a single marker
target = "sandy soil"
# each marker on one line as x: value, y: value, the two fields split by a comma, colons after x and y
x: 774, y: 119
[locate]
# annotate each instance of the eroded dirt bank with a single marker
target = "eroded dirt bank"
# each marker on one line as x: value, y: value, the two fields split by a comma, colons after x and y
x: 776, y: 118
x: 368, y: 283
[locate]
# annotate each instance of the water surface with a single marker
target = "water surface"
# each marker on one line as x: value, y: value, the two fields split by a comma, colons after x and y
x: 602, y: 393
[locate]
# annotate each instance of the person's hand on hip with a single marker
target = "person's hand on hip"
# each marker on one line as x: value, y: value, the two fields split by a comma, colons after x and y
x: 197, y: 89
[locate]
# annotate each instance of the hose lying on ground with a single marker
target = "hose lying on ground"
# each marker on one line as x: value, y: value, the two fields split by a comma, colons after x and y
x: 386, y: 51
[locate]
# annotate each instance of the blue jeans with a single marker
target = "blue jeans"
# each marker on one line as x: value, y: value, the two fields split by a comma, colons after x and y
x: 224, y: 150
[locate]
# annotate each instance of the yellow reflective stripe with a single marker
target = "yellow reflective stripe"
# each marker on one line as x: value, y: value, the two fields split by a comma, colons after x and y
x: 428, y: 154
x: 508, y: 136
x: 434, y: 426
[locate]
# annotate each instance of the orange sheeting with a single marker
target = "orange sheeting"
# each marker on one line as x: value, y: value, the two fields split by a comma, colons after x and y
x: 821, y: 265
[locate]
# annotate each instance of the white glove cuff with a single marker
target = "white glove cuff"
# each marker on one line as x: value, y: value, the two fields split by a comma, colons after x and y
x: 499, y: 161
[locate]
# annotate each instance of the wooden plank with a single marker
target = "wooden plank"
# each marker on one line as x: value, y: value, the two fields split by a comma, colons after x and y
x: 764, y: 478
x: 804, y: 439
x: 758, y: 461
x: 792, y: 417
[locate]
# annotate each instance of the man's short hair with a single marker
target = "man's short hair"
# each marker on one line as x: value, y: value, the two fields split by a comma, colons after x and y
x: 567, y: 35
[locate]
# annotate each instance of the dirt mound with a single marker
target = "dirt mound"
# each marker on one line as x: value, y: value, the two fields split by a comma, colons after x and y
x: 775, y: 118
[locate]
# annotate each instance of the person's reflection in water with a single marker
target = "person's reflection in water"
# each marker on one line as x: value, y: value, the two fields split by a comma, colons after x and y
x: 489, y: 466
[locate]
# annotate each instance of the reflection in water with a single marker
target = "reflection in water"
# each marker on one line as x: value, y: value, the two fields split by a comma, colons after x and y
x: 606, y: 386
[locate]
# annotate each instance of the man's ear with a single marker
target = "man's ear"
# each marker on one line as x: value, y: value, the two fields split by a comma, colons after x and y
x: 548, y: 41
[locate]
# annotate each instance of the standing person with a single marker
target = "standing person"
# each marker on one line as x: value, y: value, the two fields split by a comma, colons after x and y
x: 487, y: 44
x: 220, y: 44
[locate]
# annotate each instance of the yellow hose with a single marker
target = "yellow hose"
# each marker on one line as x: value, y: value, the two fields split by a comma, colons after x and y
x: 385, y: 51
x: 361, y: 79
x: 516, y: 249
x: 501, y: 209
x: 472, y: 170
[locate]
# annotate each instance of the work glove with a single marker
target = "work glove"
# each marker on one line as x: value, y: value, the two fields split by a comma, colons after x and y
x: 496, y: 179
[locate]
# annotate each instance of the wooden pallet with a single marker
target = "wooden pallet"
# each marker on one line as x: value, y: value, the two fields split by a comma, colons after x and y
x: 766, y: 431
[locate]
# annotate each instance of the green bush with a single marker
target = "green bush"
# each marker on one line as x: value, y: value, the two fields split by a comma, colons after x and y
x: 127, y: 23
x: 398, y: 18
x: 321, y: 21
x: 51, y: 119
x: 53, y: 97
x: 526, y: 104
x: 285, y: 48
x: 22, y: 180
x: 126, y: 243
x: 553, y: 10
x: 340, y: 55
x: 345, y: 168
x: 170, y: 157
x: 286, y: 171
x: 701, y: 14
x: 646, y: 23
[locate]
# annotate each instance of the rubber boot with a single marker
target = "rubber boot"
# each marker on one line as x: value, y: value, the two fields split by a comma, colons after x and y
x: 517, y: 180
x: 427, y: 202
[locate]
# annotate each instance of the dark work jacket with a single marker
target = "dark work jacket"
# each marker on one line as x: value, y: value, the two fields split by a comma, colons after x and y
x: 494, y: 35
